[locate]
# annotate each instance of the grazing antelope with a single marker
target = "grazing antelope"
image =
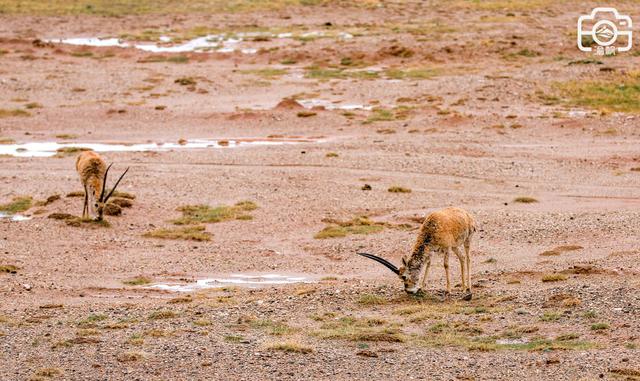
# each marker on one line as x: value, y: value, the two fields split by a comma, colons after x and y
x: 443, y: 231
x: 93, y: 175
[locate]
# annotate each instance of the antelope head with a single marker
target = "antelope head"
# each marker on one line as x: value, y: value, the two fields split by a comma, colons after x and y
x: 102, y: 201
x: 409, y: 278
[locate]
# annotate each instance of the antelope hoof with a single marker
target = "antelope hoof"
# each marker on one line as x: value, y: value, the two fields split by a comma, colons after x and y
x: 467, y: 296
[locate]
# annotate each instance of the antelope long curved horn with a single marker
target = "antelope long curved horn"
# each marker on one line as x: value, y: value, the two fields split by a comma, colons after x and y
x: 382, y: 261
x: 104, y: 182
x: 115, y: 186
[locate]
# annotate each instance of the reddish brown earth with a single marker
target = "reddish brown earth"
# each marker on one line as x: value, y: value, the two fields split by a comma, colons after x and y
x: 476, y: 136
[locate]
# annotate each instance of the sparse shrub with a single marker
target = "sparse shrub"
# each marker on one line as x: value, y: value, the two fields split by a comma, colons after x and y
x: 291, y: 347
x: 186, y: 81
x: 554, y: 277
x: 130, y: 356
x: 162, y: 314
x: 4, y: 113
x: 525, y: 200
x: 399, y: 189
x: 11, y: 269
x: 306, y: 114
x: 137, y: 281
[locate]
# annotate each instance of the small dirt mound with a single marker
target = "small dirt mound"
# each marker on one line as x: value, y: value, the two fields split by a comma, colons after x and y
x: 289, y: 104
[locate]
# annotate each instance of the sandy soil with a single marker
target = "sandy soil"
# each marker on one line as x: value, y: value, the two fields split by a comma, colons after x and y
x: 475, y: 135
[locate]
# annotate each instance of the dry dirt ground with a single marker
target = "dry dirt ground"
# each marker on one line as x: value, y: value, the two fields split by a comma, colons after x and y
x: 472, y: 104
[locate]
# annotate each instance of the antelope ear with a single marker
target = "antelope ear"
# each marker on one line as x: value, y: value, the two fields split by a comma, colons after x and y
x: 404, y: 261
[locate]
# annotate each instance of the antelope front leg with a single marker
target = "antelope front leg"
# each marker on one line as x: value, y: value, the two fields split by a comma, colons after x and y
x: 467, y: 251
x: 462, y: 267
x: 446, y: 271
x: 427, y: 264
x: 85, y: 208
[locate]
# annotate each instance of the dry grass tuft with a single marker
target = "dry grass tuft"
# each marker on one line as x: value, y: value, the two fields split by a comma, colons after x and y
x: 111, y: 209
x: 399, y: 189
x: 192, y: 233
x: 306, y: 114
x: 554, y: 277
x: 48, y: 372
x: 130, y: 356
x: 290, y: 347
x: 371, y: 300
x: 525, y: 200
x: 162, y: 314
x: 137, y: 281
x: 11, y: 269
x: 4, y: 113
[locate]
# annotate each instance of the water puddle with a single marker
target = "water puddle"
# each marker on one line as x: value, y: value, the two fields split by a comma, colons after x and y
x: 240, y: 280
x: 14, y: 217
x: 48, y: 149
x: 219, y: 43
x: 329, y: 105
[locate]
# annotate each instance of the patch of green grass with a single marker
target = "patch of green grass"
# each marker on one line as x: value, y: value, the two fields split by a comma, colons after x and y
x: 600, y: 326
x: 4, y: 113
x: 193, y: 214
x: 190, y: 233
x: 137, y: 281
x: 353, y: 329
x: 160, y: 7
x: 315, y: 72
x: 234, y: 338
x: 357, y: 225
x: 290, y: 346
x: 92, y: 320
x: 550, y: 316
x: 266, y: 73
x: 528, y: 53
x: 69, y: 151
x: 380, y: 115
x: 17, y: 204
x: 273, y: 327
x: 413, y: 74
x: 82, y: 53
x: 554, y: 277
x: 398, y: 189
x: 525, y: 200
x: 615, y: 93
